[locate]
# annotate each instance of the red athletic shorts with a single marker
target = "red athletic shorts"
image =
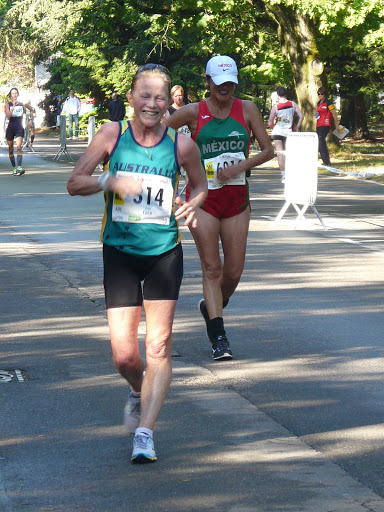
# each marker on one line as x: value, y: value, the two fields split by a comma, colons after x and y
x: 225, y: 202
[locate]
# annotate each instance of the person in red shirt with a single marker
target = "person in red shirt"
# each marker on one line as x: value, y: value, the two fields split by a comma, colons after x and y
x: 324, y: 114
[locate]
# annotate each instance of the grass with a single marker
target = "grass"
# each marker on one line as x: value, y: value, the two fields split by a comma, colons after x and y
x: 364, y: 156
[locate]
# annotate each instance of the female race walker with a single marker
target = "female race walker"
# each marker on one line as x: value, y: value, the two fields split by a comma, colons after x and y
x: 143, y: 261
x: 14, y: 110
x: 222, y: 125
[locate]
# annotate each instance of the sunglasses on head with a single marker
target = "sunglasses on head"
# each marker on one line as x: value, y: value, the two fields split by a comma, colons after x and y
x: 151, y: 67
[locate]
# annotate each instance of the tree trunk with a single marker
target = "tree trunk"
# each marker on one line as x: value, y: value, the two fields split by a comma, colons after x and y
x: 298, y: 38
x: 347, y: 114
x: 360, y: 117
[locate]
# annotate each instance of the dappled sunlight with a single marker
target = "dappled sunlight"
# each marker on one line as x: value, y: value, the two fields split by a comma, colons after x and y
x: 265, y: 451
x: 309, y: 367
x: 352, y: 440
x: 58, y: 354
x: 37, y: 194
x: 76, y: 434
x: 58, y: 247
x: 92, y: 326
x: 298, y: 404
x: 97, y: 381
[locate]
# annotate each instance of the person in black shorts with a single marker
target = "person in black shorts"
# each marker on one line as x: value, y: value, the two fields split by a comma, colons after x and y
x: 142, y: 252
x: 15, y: 110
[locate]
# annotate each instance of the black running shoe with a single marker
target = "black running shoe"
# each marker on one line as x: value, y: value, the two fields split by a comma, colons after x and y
x: 203, y: 310
x: 220, y: 349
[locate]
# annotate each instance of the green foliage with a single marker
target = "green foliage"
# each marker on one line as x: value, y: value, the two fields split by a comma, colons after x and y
x: 97, y: 44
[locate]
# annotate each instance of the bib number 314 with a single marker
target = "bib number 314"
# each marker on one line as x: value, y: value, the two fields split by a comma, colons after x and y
x: 152, y: 206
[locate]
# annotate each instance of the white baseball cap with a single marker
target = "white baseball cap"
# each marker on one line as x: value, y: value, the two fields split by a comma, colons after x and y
x: 222, y: 69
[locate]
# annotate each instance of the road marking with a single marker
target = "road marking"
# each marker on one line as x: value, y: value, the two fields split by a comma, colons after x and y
x: 5, y: 376
x: 19, y: 376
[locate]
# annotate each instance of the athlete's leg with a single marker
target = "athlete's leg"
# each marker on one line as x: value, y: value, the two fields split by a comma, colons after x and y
x: 123, y: 325
x: 19, y: 142
x: 158, y: 375
x: 206, y: 236
x: 10, y: 153
x: 279, y: 145
x: 233, y: 234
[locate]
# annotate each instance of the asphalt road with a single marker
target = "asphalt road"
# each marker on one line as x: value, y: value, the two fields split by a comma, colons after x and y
x: 305, y: 326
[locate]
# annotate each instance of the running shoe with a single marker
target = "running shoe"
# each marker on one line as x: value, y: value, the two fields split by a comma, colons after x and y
x: 203, y: 310
x: 143, y: 449
x: 220, y: 349
x: 132, y: 413
x: 14, y: 172
x: 20, y: 171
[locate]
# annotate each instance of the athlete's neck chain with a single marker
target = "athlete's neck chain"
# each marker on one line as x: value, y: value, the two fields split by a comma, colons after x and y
x: 149, y: 154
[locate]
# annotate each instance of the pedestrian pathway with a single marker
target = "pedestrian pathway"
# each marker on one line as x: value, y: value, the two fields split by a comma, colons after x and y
x: 62, y: 444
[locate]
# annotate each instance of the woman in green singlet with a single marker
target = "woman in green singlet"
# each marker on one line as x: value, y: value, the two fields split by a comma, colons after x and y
x: 142, y: 253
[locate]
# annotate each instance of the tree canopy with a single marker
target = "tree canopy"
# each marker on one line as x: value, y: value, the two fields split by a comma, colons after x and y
x: 95, y: 46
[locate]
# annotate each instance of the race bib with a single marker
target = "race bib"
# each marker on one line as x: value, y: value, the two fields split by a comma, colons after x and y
x: 152, y: 206
x: 284, y: 122
x: 213, y: 165
x: 18, y: 111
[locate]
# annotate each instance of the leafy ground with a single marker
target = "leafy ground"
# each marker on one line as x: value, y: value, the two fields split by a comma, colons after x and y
x: 362, y: 158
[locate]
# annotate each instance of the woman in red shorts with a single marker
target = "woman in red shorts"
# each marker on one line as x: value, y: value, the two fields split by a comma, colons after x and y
x: 222, y: 126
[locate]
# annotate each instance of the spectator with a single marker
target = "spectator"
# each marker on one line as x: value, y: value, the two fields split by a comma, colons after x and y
x: 72, y: 108
x: 116, y: 108
x: 58, y: 110
x: 324, y: 114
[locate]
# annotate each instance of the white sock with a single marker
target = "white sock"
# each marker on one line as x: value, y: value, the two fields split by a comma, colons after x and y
x: 137, y: 394
x: 143, y: 430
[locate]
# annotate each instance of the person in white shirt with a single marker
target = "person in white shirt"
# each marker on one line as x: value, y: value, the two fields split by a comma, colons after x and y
x: 282, y: 122
x: 72, y: 109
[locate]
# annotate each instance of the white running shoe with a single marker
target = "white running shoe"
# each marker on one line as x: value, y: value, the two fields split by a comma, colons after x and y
x: 132, y: 413
x: 143, y: 449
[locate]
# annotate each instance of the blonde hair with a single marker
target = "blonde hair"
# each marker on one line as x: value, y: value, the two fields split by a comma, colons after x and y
x: 153, y: 70
x: 177, y: 88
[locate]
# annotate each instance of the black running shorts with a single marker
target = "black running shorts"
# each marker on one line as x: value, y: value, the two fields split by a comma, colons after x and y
x: 129, y: 278
x: 279, y: 137
x: 14, y: 131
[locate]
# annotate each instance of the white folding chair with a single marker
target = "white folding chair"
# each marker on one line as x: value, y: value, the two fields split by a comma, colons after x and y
x: 301, y: 169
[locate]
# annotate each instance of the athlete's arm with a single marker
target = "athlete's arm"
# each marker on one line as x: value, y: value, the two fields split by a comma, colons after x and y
x: 186, y: 115
x: 9, y: 110
x: 299, y: 115
x: 81, y: 181
x: 272, y: 116
x: 32, y: 111
x: 188, y: 155
x: 166, y: 116
x: 255, y: 122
